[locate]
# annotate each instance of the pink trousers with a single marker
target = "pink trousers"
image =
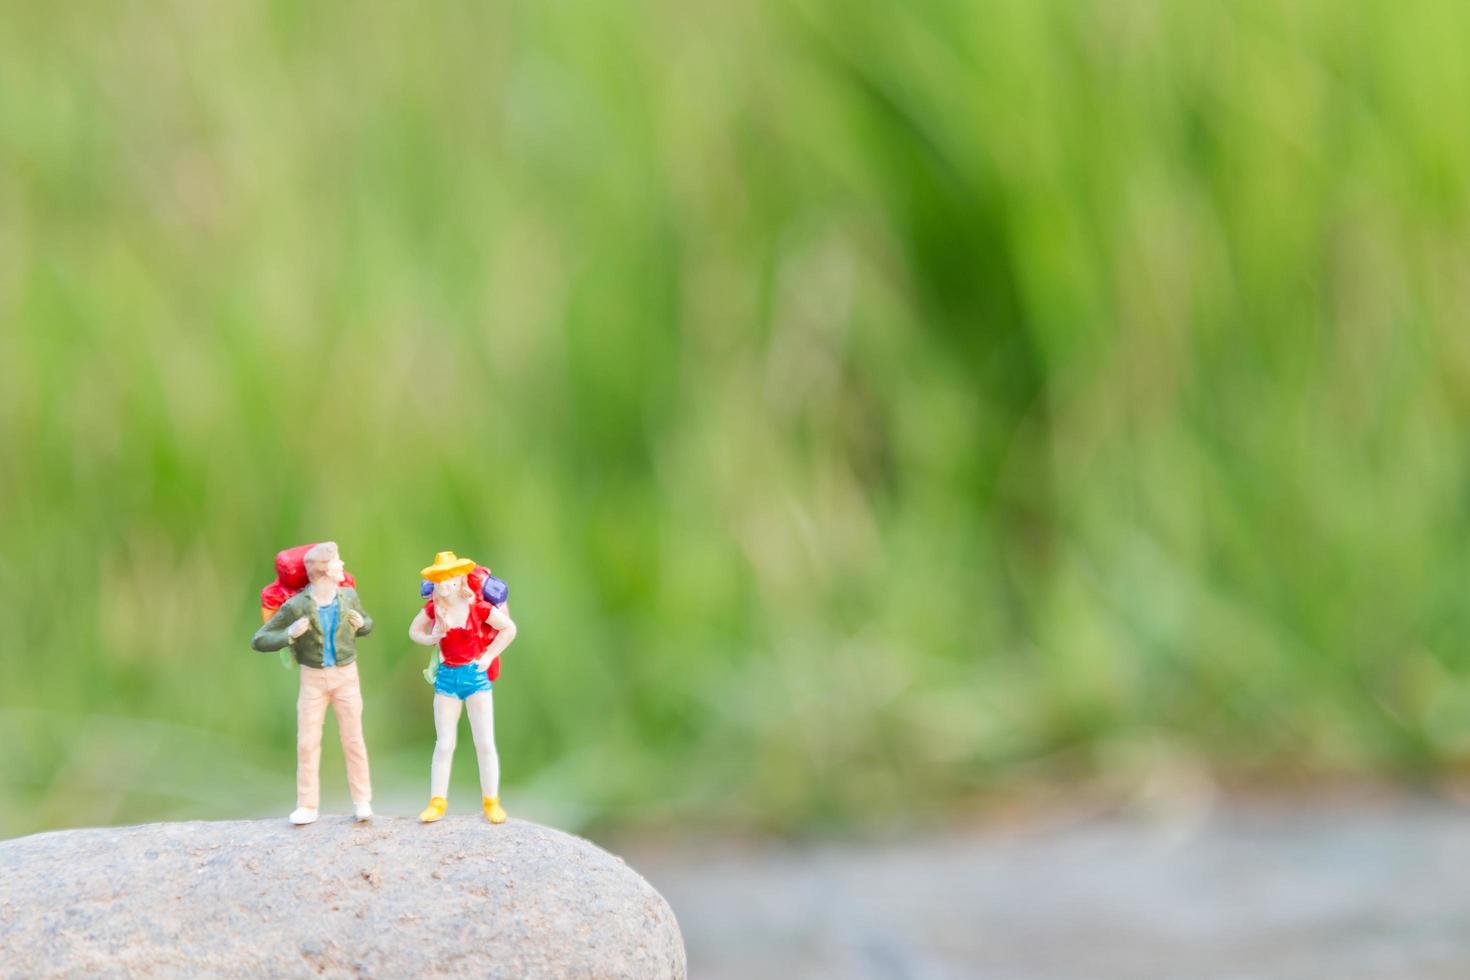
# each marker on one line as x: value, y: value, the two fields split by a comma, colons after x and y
x: 339, y: 686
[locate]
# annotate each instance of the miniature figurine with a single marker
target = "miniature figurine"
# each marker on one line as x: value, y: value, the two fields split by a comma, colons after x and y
x: 320, y: 624
x: 471, y: 629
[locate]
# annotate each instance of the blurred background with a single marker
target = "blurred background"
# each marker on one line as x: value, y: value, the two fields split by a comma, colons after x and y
x: 880, y: 412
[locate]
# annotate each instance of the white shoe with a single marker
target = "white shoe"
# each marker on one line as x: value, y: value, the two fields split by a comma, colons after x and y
x: 302, y: 815
x: 362, y: 811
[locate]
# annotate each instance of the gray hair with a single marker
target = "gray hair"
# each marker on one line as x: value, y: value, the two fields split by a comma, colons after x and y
x: 320, y: 554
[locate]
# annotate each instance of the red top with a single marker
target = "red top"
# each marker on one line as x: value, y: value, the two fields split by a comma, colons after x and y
x: 468, y: 642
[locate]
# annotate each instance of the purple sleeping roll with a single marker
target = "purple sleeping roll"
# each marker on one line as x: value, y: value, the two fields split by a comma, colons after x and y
x: 494, y: 590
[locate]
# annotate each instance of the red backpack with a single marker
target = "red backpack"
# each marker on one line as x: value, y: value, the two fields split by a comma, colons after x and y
x: 290, y: 579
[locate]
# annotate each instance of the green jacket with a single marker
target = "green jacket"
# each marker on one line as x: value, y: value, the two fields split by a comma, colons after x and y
x: 308, y: 646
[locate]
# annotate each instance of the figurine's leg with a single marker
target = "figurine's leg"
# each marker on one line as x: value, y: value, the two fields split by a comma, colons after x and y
x: 311, y: 709
x: 481, y: 708
x: 446, y: 724
x: 347, y: 703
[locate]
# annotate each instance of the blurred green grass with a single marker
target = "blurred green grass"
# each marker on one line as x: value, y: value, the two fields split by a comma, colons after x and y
x: 871, y: 406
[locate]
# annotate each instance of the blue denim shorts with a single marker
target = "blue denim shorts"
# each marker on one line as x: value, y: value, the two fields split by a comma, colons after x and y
x: 462, y: 681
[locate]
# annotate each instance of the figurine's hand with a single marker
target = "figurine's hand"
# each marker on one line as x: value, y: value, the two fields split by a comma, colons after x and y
x: 298, y: 627
x: 437, y: 632
x: 355, y: 618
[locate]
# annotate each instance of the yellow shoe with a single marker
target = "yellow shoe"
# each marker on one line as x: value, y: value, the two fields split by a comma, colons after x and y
x: 435, y: 809
x: 494, y: 812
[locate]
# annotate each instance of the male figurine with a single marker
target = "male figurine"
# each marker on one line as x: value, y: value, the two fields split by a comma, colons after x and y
x: 321, y: 623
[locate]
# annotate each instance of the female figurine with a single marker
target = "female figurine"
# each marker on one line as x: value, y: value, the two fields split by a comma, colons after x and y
x: 471, y: 633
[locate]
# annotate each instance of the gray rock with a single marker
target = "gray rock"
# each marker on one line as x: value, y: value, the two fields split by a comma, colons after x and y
x: 389, y: 898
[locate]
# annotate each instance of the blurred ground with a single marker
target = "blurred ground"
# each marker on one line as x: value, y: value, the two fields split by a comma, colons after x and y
x: 1250, y: 890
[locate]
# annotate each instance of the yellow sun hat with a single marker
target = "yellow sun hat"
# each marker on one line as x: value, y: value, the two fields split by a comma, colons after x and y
x: 447, y: 565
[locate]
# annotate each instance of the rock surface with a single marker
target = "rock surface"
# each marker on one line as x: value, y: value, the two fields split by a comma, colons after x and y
x: 388, y: 898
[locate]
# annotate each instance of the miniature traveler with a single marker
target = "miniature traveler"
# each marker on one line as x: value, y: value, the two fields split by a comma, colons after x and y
x: 466, y: 617
x: 320, y: 624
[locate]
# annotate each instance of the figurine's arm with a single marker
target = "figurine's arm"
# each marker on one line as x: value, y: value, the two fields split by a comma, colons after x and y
x: 500, y: 619
x: 361, y: 621
x: 421, y: 631
x: 275, y: 633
